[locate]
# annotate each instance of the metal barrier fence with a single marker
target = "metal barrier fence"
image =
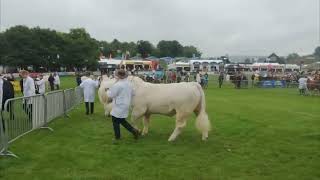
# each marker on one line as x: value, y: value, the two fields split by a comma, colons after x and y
x: 24, y: 114
x: 55, y: 105
x: 69, y: 99
x: 79, y: 95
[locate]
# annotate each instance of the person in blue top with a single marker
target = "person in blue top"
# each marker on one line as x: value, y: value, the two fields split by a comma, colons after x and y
x: 206, y: 80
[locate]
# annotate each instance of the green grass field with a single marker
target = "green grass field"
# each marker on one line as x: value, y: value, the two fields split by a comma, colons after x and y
x: 257, y: 134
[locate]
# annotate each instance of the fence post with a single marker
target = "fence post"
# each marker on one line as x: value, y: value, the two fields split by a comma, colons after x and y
x: 45, y: 115
x: 4, y: 139
x: 64, y: 104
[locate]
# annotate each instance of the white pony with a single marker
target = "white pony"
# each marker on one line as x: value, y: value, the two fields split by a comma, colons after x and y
x: 180, y: 99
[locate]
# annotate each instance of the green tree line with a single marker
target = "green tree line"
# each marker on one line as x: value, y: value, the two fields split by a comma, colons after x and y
x: 21, y: 46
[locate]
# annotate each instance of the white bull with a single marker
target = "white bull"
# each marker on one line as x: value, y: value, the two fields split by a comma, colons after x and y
x: 104, y: 85
x: 180, y: 99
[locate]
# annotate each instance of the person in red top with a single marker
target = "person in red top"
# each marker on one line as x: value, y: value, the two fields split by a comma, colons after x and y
x: 174, y: 77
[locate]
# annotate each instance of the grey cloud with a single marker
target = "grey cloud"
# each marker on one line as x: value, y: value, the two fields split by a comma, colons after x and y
x: 236, y: 27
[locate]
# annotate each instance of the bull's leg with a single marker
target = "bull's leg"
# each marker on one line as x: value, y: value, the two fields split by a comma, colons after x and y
x: 181, y: 122
x: 107, y: 109
x: 146, y: 121
x: 136, y: 114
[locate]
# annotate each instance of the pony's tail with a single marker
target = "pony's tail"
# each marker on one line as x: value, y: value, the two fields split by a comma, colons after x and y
x: 202, y: 121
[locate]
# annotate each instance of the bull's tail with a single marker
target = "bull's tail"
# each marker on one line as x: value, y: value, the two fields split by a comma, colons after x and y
x: 202, y: 121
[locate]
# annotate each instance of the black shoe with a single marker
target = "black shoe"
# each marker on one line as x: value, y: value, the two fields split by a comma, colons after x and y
x: 115, y: 141
x: 136, y: 134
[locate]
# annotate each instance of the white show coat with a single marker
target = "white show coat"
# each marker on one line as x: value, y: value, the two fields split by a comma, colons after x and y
x: 89, y: 89
x: 28, y: 87
x: 303, y: 83
x: 56, y: 80
x: 121, y: 93
x: 42, y: 86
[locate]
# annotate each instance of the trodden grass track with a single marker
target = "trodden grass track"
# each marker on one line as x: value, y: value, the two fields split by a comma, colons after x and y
x: 257, y: 134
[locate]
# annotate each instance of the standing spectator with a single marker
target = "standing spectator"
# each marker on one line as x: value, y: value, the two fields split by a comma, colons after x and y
x: 164, y: 77
x: 51, y: 82
x: 206, y: 80
x: 169, y: 76
x: 21, y: 83
x: 221, y: 78
x: 198, y: 77
x: 303, y: 85
x: 28, y: 84
x: 41, y: 84
x: 1, y: 91
x: 238, y: 80
x: 121, y: 93
x: 153, y: 77
x: 7, y: 93
x: 252, y: 79
x: 78, y: 79
x: 1, y: 100
x: 89, y: 90
x: 179, y: 76
x: 202, y: 80
x: 56, y: 81
x: 28, y: 90
x: 174, y: 77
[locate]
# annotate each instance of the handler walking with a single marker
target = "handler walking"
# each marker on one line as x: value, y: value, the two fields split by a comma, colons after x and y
x: 89, y: 90
x: 221, y: 77
x: 121, y: 93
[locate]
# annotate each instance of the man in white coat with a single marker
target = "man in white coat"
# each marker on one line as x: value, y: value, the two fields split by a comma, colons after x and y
x: 56, y: 81
x: 41, y: 84
x: 303, y: 85
x: 89, y: 90
x: 121, y: 93
x: 28, y: 90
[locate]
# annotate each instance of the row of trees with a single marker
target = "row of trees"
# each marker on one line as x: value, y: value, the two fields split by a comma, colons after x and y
x: 145, y: 49
x: 48, y: 49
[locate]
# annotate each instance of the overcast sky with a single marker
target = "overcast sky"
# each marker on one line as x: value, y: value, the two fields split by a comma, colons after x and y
x: 216, y: 27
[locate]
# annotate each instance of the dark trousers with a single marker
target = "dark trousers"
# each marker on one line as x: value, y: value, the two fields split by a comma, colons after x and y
x: 220, y: 83
x: 57, y: 86
x: 28, y: 110
x: 89, y: 105
x: 52, y: 87
x: 116, y: 126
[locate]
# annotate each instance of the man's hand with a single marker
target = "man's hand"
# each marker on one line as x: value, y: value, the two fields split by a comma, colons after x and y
x: 109, y: 100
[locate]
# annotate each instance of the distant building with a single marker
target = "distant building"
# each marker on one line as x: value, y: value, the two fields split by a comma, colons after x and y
x: 273, y: 58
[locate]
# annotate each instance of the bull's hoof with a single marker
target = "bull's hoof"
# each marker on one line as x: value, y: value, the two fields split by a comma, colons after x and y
x: 204, y: 138
x: 144, y: 134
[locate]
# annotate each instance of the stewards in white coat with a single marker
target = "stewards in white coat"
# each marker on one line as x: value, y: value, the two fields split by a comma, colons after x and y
x: 28, y: 84
x: 41, y: 85
x: 89, y: 90
x: 56, y: 81
x: 303, y: 85
x: 28, y: 90
x: 121, y: 93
